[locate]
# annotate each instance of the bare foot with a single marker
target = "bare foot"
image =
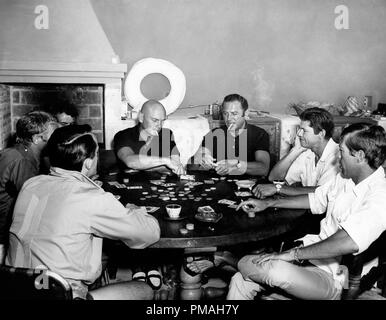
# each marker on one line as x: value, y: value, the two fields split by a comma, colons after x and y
x: 221, y: 258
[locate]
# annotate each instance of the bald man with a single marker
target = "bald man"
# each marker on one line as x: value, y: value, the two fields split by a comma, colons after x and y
x: 148, y: 146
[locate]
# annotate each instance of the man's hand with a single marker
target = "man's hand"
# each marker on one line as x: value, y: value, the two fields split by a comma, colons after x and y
x: 253, y: 205
x: 263, y: 257
x: 224, y: 167
x: 132, y: 206
x: 262, y: 191
x: 297, y: 146
x: 175, y: 165
x: 207, y: 161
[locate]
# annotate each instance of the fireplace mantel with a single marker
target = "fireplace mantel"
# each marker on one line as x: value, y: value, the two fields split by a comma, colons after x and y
x: 59, y: 72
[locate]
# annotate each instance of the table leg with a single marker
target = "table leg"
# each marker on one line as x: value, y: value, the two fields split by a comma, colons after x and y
x: 190, y: 286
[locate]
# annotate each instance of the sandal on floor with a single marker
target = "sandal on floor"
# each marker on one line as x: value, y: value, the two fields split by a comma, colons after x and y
x: 190, y: 259
x: 139, y: 276
x: 154, y: 279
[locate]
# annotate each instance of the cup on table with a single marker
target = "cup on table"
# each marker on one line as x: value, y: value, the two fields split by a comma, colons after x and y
x: 173, y: 210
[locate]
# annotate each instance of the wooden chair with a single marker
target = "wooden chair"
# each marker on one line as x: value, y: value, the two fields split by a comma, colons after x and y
x: 358, y: 284
x: 32, y: 284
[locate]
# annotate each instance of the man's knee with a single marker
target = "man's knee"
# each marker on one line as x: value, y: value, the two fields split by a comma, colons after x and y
x: 272, y: 272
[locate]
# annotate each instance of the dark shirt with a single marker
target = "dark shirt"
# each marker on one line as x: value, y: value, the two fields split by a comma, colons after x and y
x: 17, y: 165
x: 242, y: 147
x: 161, y: 146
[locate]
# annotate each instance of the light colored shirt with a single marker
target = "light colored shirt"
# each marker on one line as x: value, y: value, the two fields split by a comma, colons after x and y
x: 304, y: 169
x: 358, y: 209
x: 60, y: 220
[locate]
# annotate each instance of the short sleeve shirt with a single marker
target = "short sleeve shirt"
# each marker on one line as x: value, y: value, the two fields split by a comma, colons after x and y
x: 304, y: 169
x: 224, y: 146
x: 161, y: 146
x: 358, y: 209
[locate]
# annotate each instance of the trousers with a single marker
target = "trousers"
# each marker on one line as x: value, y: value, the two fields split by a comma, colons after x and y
x: 309, y: 282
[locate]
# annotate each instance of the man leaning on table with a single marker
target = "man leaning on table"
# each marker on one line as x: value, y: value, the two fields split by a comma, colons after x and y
x: 355, y: 204
x: 60, y: 220
x: 148, y: 146
x: 238, y: 147
x: 313, y: 161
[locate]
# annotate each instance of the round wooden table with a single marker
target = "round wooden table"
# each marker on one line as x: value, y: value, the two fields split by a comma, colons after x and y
x: 235, y: 227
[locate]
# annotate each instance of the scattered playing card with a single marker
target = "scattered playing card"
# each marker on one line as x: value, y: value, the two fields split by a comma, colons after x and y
x: 243, y: 194
x: 233, y: 206
x: 134, y: 187
x: 226, y: 201
x: 205, y: 209
x: 150, y: 209
x: 187, y: 177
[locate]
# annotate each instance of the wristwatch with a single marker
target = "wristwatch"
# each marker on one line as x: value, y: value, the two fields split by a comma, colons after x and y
x: 278, y: 185
x: 238, y: 165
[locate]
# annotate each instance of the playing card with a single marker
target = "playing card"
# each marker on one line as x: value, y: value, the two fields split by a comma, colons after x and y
x: 187, y: 177
x: 243, y: 194
x: 226, y: 201
x: 233, y: 206
x: 205, y: 209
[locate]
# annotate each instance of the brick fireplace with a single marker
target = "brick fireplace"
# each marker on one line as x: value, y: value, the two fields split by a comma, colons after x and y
x: 72, y: 55
x: 87, y: 98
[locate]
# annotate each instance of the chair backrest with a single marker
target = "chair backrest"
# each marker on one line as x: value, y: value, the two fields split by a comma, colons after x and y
x: 357, y: 283
x: 32, y: 284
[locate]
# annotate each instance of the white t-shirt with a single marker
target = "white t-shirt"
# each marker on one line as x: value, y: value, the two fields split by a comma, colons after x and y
x: 304, y: 170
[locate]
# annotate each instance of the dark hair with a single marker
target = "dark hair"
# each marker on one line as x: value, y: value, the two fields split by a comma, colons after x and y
x: 320, y: 119
x: 32, y: 123
x: 236, y: 97
x: 67, y: 108
x: 369, y: 138
x: 69, y: 146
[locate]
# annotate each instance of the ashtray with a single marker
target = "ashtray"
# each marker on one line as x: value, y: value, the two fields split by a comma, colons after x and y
x: 211, y: 217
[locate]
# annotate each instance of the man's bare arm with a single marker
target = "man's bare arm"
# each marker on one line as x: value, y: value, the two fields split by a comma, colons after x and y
x: 340, y: 243
x: 259, y: 167
x: 139, y: 161
x: 279, y: 171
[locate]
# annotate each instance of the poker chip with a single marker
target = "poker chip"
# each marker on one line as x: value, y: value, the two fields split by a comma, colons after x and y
x: 170, y: 188
x: 142, y: 199
x: 207, y: 190
x: 126, y: 180
x: 183, y: 231
x: 197, y: 200
x: 145, y: 192
x: 209, y: 199
x: 187, y: 189
x: 213, y: 188
x: 222, y: 178
x: 165, y: 198
x: 184, y: 198
x: 204, y: 194
x: 174, y: 199
x: 190, y: 226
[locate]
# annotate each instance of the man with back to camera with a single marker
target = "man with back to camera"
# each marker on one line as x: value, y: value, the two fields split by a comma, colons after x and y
x: 355, y: 204
x: 312, y: 161
x: 21, y: 162
x: 71, y: 215
x: 148, y: 146
x: 239, y: 147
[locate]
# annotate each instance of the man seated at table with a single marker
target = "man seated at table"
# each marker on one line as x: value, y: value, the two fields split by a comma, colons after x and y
x: 21, y: 162
x: 238, y: 147
x: 60, y: 220
x: 148, y: 146
x: 313, y: 161
x: 355, y: 204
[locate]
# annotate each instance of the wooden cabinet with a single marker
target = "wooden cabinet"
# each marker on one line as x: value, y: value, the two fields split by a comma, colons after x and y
x: 342, y: 122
